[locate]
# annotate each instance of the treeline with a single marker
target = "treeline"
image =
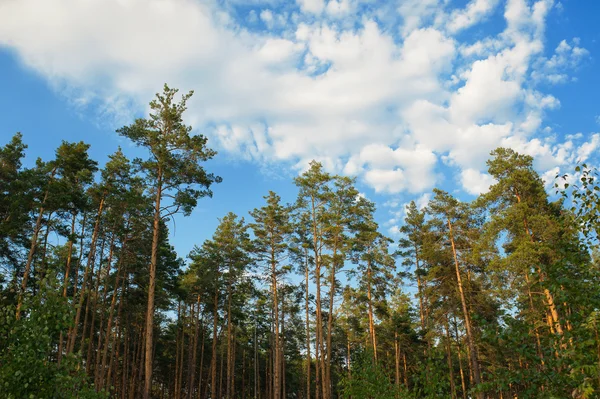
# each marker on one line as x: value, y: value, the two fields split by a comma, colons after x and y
x: 495, y: 298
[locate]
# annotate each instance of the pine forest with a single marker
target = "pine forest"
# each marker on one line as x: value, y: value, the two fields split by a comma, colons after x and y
x: 496, y: 298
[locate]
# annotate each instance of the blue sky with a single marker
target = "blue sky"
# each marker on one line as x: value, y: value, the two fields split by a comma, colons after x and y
x: 406, y: 95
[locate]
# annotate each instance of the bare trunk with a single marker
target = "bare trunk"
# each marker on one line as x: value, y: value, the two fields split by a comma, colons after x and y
x: 282, y: 350
x: 462, y: 374
x: 327, y: 378
x: 308, y: 360
x: 34, y: 238
x: 405, y: 370
x: 201, y: 360
x: 277, y: 356
x: 213, y: 361
x: 151, y: 288
x: 450, y: 366
x: 467, y: 318
x: 90, y: 262
x: 370, y: 308
x: 90, y: 299
x: 192, y: 380
x: 229, y: 388
x: 397, y: 358
x: 113, y: 302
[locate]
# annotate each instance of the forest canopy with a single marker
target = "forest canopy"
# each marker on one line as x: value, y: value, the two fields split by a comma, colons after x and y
x: 498, y: 297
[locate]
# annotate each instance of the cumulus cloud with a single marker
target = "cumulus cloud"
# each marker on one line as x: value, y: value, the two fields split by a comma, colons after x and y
x: 380, y: 92
x: 475, y: 11
x: 475, y: 182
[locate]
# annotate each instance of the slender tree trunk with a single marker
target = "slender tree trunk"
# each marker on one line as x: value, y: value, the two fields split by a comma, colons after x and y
x: 42, y: 271
x: 201, y: 359
x: 243, y: 373
x: 194, y: 351
x: 151, y: 288
x: 327, y: 378
x: 371, y: 319
x: 66, y: 279
x: 277, y: 349
x: 308, y: 360
x: 178, y: 344
x: 450, y: 366
x: 397, y: 358
x: 282, y: 350
x: 535, y: 331
x: 32, y: 248
x: 66, y: 282
x: 255, y: 360
x: 89, y: 298
x: 190, y: 353
x: 405, y: 370
x: 213, y: 361
x: 463, y: 300
x: 95, y: 307
x: 320, y: 363
x: 90, y: 262
x: 462, y: 374
x: 229, y: 388
x: 221, y: 374
x: 69, y: 255
x: 113, y: 302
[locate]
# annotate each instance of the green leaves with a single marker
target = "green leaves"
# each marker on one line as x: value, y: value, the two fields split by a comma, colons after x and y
x: 27, y: 344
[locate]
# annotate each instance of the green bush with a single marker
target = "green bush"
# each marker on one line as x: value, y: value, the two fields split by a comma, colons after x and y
x: 28, y: 350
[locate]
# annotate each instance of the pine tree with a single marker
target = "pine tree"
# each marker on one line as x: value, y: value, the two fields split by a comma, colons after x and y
x: 176, y: 174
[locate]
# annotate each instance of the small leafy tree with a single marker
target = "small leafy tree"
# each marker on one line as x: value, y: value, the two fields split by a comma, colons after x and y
x: 369, y: 380
x: 27, y: 348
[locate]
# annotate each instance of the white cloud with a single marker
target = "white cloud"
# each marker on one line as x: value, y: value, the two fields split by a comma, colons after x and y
x: 416, y: 12
x: 311, y: 6
x: 586, y: 149
x: 475, y: 11
x: 338, y: 8
x: 365, y: 95
x: 267, y: 17
x: 474, y: 182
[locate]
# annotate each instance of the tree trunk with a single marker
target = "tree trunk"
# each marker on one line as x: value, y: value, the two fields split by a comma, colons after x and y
x: 213, y: 361
x: 397, y: 358
x: 371, y: 319
x: 69, y: 255
x: 88, y: 298
x: 282, y: 350
x: 276, y: 368
x: 201, y: 360
x: 462, y: 373
x: 320, y: 361
x: 34, y: 238
x: 229, y: 388
x: 467, y: 318
x: 194, y: 351
x: 308, y: 360
x: 450, y: 366
x: 90, y: 261
x: 95, y: 307
x: 327, y: 378
x: 113, y: 302
x: 151, y: 288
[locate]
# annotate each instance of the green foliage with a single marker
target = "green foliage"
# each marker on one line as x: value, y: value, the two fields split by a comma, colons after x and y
x: 27, y: 349
x: 369, y: 380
